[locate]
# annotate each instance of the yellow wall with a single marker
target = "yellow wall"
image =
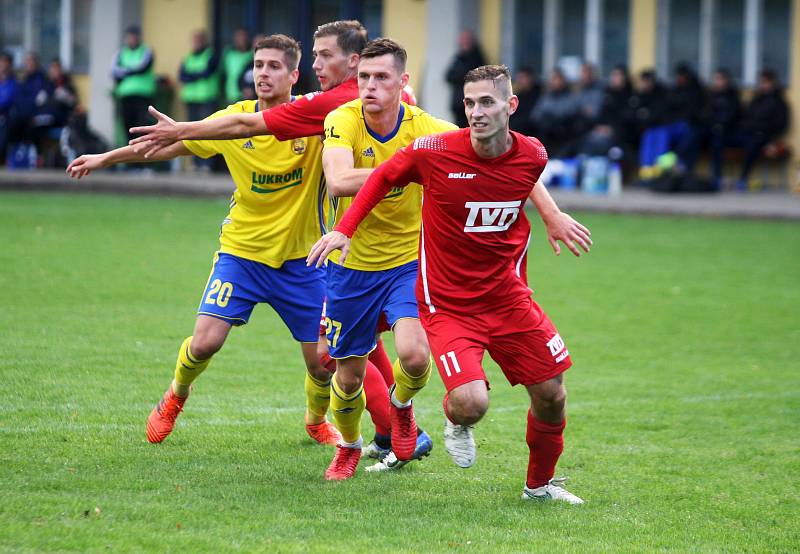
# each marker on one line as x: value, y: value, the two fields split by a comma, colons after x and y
x: 84, y: 89
x: 491, y: 12
x: 167, y: 27
x: 407, y: 23
x: 642, y: 39
x: 793, y: 97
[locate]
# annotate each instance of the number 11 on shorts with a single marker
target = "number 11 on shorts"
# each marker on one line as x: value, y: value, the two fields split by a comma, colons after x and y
x: 452, y: 356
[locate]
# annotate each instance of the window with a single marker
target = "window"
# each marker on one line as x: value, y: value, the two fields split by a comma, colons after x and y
x: 776, y: 37
x: 615, y: 34
x: 728, y: 39
x: 529, y: 33
x: 684, y: 34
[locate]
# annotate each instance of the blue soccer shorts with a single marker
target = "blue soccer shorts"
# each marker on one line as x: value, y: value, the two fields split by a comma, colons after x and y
x: 356, y: 299
x: 296, y: 292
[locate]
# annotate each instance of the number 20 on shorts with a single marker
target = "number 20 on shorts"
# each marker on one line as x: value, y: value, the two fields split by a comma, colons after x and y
x: 219, y: 293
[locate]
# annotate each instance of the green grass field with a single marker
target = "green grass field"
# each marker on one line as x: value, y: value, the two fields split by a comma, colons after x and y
x: 684, y: 401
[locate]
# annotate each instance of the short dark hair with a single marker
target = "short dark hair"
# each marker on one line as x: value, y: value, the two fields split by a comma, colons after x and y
x: 351, y: 36
x: 286, y: 44
x: 493, y: 73
x: 382, y: 46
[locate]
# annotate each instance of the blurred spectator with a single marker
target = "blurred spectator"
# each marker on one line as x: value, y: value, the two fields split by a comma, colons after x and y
x: 554, y: 116
x: 589, y: 98
x: 613, y: 124
x: 718, y: 119
x: 246, y: 84
x: 649, y: 111
x: 469, y: 56
x: 28, y: 97
x: 8, y: 86
x: 58, y: 100
x: 527, y: 89
x: 136, y: 83
x: 199, y: 74
x: 236, y: 60
x: 765, y: 119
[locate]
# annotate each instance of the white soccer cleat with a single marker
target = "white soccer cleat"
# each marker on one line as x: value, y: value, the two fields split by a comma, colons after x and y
x: 389, y: 463
x: 459, y: 443
x: 553, y: 490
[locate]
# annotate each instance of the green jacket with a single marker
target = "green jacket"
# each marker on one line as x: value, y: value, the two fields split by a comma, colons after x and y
x: 200, y: 77
x: 133, y: 72
x: 234, y: 63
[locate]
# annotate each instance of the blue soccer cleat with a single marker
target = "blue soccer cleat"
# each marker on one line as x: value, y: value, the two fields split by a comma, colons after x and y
x: 390, y: 461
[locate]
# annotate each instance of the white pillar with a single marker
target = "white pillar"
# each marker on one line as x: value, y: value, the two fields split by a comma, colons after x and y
x: 551, y: 31
x: 593, y: 37
x: 443, y: 27
x: 752, y: 43
x: 105, y: 39
x: 65, y: 46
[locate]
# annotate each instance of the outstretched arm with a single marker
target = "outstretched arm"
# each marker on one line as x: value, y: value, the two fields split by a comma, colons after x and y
x: 341, y: 177
x: 83, y: 165
x: 559, y: 225
x: 167, y: 131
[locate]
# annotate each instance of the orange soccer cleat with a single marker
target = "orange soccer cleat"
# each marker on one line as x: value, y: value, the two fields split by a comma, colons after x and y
x: 404, y: 432
x: 344, y: 463
x: 324, y: 433
x: 162, y: 418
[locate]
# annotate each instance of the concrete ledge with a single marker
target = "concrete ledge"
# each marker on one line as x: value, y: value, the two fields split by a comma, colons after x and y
x: 763, y: 205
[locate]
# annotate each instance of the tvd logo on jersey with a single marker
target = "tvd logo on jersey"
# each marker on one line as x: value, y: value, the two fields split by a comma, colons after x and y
x: 489, y: 217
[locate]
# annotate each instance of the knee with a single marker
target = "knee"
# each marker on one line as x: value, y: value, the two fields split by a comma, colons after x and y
x: 551, y: 405
x: 415, y: 360
x: 205, y: 345
x: 317, y: 370
x: 467, y: 409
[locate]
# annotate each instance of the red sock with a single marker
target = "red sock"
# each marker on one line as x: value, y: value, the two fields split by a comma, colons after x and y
x: 328, y: 362
x: 444, y: 406
x: 377, y: 400
x: 383, y: 363
x: 546, y: 442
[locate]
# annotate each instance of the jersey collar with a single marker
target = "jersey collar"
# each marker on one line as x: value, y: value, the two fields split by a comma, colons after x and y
x: 391, y: 135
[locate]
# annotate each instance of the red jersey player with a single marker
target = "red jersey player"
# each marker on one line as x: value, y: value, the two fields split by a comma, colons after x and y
x: 471, y: 288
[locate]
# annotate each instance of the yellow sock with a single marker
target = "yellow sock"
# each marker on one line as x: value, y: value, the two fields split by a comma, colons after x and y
x: 347, y: 410
x: 407, y: 386
x: 318, y: 395
x: 187, y: 368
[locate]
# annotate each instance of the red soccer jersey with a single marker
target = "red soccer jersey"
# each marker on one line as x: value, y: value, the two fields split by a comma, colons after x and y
x: 305, y: 117
x: 474, y: 232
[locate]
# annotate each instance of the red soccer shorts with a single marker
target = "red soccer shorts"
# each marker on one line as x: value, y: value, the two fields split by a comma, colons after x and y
x: 521, y: 339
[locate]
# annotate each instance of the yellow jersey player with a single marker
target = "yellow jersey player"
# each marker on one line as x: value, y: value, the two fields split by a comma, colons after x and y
x: 379, y: 274
x: 276, y: 214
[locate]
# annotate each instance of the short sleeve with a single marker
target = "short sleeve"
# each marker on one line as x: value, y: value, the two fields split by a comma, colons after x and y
x: 341, y: 128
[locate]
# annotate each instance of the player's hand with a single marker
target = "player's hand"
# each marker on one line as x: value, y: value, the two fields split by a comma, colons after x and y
x: 565, y: 229
x: 154, y: 137
x: 82, y: 166
x: 327, y: 244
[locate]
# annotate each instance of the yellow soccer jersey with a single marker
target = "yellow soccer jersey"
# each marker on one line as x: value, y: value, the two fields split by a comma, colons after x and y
x: 389, y: 236
x: 277, y: 209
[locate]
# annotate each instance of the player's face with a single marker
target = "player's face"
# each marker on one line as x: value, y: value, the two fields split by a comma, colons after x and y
x: 488, y: 107
x: 331, y: 64
x: 380, y: 83
x: 271, y: 75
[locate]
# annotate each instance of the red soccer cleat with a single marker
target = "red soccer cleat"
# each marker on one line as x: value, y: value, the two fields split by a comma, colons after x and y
x: 324, y: 433
x: 162, y: 418
x: 344, y: 463
x: 404, y: 432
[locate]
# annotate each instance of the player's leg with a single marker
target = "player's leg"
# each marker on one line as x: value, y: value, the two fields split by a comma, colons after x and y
x: 529, y: 350
x: 412, y: 369
x: 458, y: 345
x: 348, y: 403
x: 318, y: 395
x: 379, y: 357
x: 227, y: 300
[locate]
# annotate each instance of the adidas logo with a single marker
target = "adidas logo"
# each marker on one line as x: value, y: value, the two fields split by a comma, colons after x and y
x: 248, y: 145
x: 368, y: 153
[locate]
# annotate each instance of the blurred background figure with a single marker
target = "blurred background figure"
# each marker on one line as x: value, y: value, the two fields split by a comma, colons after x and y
x: 649, y: 111
x: 765, y: 119
x: 236, y: 59
x: 527, y: 89
x: 613, y: 124
x: 247, y: 89
x: 136, y: 82
x: 554, y: 116
x: 469, y: 56
x: 8, y: 86
x: 29, y: 95
x: 589, y: 97
x: 200, y: 76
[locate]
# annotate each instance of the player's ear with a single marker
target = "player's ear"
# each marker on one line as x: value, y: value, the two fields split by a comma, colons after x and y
x: 404, y: 80
x: 294, y: 75
x: 352, y: 60
x: 513, y: 104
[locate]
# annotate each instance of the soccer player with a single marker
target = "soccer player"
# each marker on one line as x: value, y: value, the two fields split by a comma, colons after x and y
x: 472, y: 294
x: 378, y: 277
x: 276, y: 213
